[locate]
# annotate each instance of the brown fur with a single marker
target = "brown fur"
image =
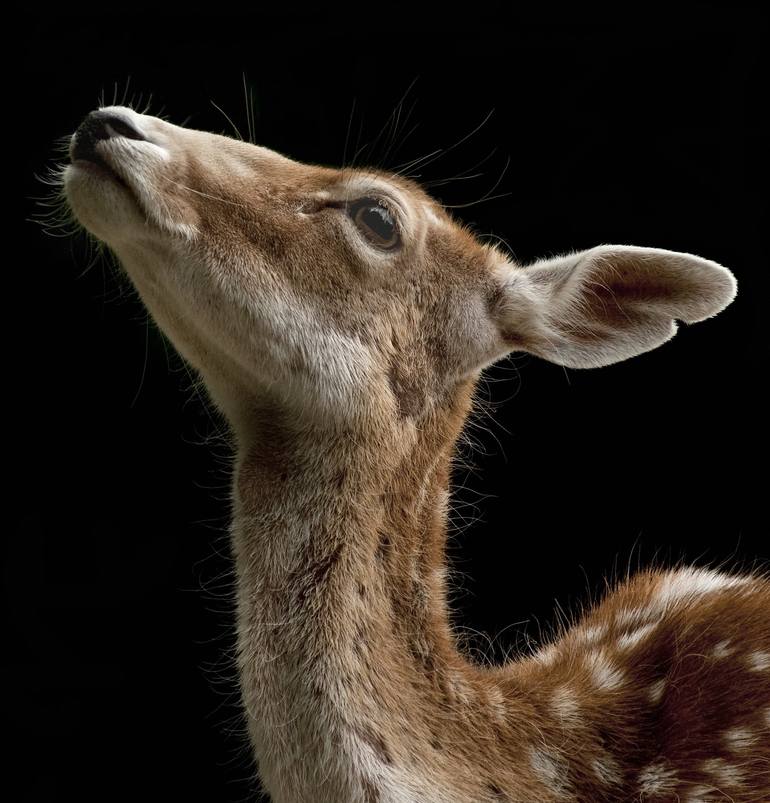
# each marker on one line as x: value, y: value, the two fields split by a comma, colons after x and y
x: 347, y: 376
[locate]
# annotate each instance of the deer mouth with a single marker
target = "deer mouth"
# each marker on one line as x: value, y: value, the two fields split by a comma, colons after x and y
x: 85, y: 157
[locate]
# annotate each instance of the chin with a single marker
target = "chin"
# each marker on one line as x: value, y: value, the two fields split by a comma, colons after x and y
x: 101, y: 203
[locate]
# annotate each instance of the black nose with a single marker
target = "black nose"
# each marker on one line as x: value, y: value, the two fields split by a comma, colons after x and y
x: 97, y: 126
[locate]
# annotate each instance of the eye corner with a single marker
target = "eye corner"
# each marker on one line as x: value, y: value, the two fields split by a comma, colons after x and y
x: 312, y: 206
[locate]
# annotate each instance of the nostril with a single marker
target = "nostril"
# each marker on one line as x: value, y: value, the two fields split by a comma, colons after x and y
x: 101, y: 125
x: 119, y: 126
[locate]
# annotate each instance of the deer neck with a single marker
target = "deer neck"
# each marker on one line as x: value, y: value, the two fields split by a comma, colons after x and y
x: 337, y: 527
x: 339, y: 545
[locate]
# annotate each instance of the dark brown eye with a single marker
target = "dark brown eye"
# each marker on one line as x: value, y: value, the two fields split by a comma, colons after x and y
x: 375, y: 221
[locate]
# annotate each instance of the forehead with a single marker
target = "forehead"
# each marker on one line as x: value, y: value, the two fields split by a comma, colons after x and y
x: 291, y: 176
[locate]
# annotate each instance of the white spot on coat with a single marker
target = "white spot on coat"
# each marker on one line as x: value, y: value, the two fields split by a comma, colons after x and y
x: 687, y: 584
x: 739, y: 739
x: 657, y: 778
x: 700, y: 794
x: 604, y: 673
x: 607, y: 770
x: 593, y: 634
x: 547, y: 768
x: 565, y: 705
x: 629, y: 640
x: 758, y: 661
x: 724, y: 774
x: 655, y: 691
x: 497, y: 704
x: 547, y: 655
x: 722, y: 649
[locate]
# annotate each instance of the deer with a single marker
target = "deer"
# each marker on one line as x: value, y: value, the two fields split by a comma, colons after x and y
x: 340, y: 319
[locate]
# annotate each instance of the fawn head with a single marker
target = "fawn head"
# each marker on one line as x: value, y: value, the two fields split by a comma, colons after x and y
x: 349, y: 295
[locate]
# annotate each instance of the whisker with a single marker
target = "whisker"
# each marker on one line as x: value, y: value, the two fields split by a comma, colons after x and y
x: 358, y: 139
x: 347, y: 134
x: 441, y: 182
x: 488, y: 195
x: 408, y: 133
x: 205, y: 194
x: 144, y: 364
x: 125, y: 91
x: 421, y: 162
x: 227, y: 117
x: 248, y: 115
x: 396, y: 115
x: 463, y: 174
x: 359, y: 151
x: 415, y: 163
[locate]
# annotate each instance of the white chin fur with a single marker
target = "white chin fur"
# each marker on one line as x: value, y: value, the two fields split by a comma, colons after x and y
x: 103, y: 206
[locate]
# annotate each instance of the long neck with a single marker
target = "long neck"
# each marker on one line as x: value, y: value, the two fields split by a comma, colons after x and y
x: 353, y: 687
x: 320, y: 514
x: 343, y: 622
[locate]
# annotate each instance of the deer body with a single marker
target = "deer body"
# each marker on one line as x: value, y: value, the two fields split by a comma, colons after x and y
x: 340, y: 320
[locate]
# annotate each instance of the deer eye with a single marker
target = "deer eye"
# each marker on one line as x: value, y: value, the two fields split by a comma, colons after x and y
x: 375, y: 221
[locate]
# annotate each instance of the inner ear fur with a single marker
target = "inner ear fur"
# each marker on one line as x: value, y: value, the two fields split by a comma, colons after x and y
x: 606, y: 304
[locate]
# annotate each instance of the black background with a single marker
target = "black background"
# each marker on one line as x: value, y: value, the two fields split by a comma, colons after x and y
x: 639, y: 128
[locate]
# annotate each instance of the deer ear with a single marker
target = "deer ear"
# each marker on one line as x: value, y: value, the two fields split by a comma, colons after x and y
x: 607, y: 304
